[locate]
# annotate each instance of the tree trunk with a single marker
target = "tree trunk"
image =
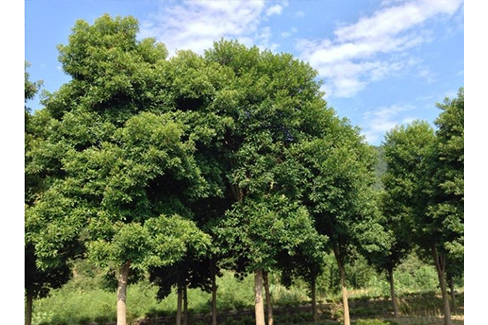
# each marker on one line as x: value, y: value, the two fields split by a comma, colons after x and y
x: 440, y: 264
x: 122, y: 294
x: 214, y: 291
x: 453, y: 295
x: 258, y: 294
x: 392, y: 292
x: 345, y: 303
x: 185, y: 305
x: 28, y: 309
x: 314, y: 298
x: 179, y: 301
x: 268, y: 298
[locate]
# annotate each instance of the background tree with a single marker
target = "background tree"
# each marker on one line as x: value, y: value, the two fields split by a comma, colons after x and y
x: 308, y: 263
x: 446, y: 213
x: 191, y: 272
x: 396, y: 226
x: 395, y: 222
x: 411, y: 155
x: 339, y: 175
x: 415, y: 160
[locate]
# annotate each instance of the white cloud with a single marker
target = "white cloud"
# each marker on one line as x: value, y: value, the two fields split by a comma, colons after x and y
x: 427, y: 75
x: 366, y: 51
x: 288, y: 34
x: 393, y: 20
x: 326, y: 89
x: 274, y: 10
x: 383, y: 119
x: 262, y: 39
x: 285, y: 34
x: 196, y: 25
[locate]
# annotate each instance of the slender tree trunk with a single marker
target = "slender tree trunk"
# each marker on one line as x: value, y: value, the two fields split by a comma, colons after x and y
x: 440, y: 264
x: 258, y: 294
x: 122, y: 294
x: 269, y: 305
x: 345, y: 303
x: 314, y: 298
x: 28, y: 309
x: 392, y: 292
x: 185, y: 305
x: 453, y: 295
x: 214, y: 291
x: 179, y: 302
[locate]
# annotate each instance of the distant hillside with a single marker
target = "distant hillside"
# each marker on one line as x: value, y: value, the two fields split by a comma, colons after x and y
x: 380, y: 167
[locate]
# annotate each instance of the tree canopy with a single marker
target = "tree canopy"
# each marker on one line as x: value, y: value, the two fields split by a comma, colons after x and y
x: 424, y: 185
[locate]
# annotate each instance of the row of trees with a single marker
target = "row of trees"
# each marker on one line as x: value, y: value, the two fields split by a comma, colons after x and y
x: 180, y: 167
x: 423, y: 201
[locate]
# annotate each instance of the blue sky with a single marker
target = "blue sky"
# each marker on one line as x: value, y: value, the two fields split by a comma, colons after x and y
x: 383, y: 62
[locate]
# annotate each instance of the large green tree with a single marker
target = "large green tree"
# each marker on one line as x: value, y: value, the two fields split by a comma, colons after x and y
x: 273, y: 101
x: 338, y: 179
x: 395, y: 221
x: 408, y: 153
x: 199, y: 88
x: 414, y: 170
x: 446, y: 212
x: 37, y: 282
x: 122, y: 155
x: 400, y: 243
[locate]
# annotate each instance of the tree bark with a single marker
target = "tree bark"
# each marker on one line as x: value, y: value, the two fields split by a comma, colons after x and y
x: 314, y: 298
x: 28, y: 309
x: 122, y: 294
x: 179, y: 300
x: 213, y: 275
x: 345, y: 303
x: 392, y: 292
x: 440, y: 265
x: 258, y: 294
x: 269, y: 305
x: 185, y: 305
x: 453, y: 295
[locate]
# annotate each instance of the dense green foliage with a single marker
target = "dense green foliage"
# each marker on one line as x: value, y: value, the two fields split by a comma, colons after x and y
x: 447, y: 209
x: 38, y: 282
x: 424, y: 185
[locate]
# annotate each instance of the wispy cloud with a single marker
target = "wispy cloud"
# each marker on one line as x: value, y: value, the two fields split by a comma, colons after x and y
x: 289, y: 33
x: 196, y: 25
x: 365, y: 51
x: 383, y: 119
x: 274, y: 10
x: 427, y: 75
x: 263, y: 39
x: 300, y: 14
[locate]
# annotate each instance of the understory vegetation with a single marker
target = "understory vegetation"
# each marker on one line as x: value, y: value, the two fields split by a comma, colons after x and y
x: 88, y: 299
